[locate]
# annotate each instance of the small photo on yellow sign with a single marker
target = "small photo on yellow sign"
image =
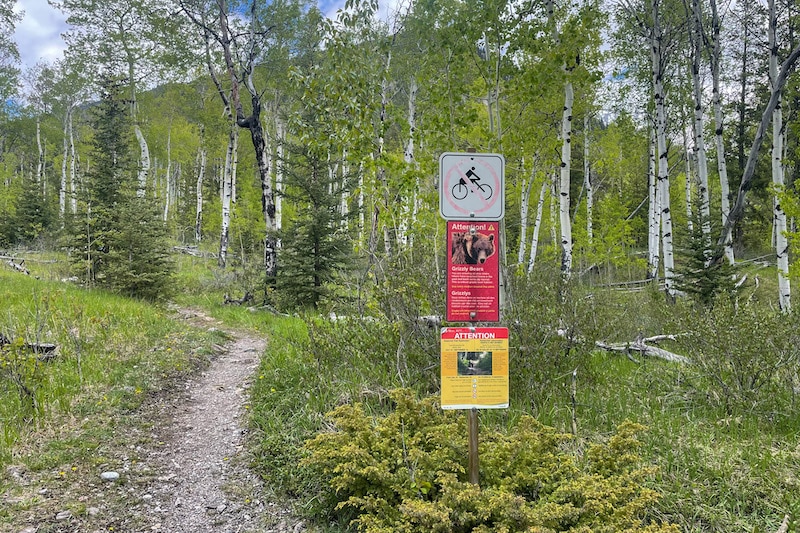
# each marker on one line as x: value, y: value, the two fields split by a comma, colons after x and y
x: 474, y: 368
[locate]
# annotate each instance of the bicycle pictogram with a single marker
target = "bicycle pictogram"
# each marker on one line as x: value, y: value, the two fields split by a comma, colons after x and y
x: 471, y: 186
x: 461, y: 189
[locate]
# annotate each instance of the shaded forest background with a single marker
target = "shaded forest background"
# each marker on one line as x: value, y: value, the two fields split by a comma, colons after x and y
x: 302, y: 149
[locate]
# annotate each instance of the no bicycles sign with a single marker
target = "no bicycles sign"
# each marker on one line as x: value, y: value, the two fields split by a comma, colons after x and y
x: 471, y: 186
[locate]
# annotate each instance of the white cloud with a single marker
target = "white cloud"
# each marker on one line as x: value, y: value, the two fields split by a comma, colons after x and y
x: 38, y: 34
x: 387, y: 9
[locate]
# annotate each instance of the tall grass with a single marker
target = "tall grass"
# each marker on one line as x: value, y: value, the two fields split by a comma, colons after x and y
x: 723, y: 466
x: 112, y: 352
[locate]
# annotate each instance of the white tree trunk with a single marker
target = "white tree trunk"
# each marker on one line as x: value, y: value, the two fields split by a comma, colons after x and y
x: 228, y: 179
x: 566, y: 153
x: 410, y: 205
x: 40, y: 160
x: 381, y: 170
x: 781, y: 243
x: 566, y: 158
x: 553, y: 209
x: 537, y: 225
x: 654, y: 212
x: 699, y: 127
x: 344, y: 206
x: 198, y: 218
x: 361, y: 216
x: 144, y: 160
x: 658, y: 56
x: 524, y: 207
x: 722, y: 167
x: 62, y: 190
x: 168, y: 180
x: 689, y: 179
x: 280, y: 132
x: 587, y: 181
x: 73, y: 170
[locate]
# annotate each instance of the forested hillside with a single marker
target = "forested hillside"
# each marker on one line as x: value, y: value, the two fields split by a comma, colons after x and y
x: 270, y: 134
x: 274, y: 155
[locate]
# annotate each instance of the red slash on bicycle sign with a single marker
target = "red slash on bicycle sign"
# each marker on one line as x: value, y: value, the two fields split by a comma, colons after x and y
x: 471, y: 186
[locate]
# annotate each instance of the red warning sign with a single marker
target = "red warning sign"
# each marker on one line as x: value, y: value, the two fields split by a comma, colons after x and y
x: 473, y: 271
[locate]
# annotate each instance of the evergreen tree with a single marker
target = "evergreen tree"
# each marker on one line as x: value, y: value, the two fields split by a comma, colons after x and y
x: 139, y: 263
x: 699, y: 276
x: 118, y: 239
x: 33, y: 216
x: 315, y: 243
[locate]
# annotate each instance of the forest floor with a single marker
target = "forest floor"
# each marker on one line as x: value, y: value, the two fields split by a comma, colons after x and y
x: 178, y: 465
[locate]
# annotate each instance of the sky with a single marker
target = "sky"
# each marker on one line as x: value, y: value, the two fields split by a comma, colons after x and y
x: 38, y: 35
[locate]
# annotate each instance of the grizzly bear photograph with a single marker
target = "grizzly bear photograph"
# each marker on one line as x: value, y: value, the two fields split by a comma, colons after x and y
x: 471, y: 249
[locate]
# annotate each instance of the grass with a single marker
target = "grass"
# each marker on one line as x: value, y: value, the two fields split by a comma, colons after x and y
x: 721, y: 467
x: 114, y: 355
x: 718, y: 470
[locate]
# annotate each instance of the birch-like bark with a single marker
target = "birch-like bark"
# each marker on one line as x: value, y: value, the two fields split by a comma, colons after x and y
x: 144, y: 160
x: 659, y: 58
x: 168, y: 184
x: 781, y: 242
x: 737, y: 210
x: 553, y: 209
x: 381, y: 170
x: 587, y: 181
x: 361, y: 215
x: 524, y: 207
x: 228, y: 177
x: 280, y: 133
x: 722, y: 167
x: 410, y: 206
x: 40, y: 160
x: 232, y: 99
x: 699, y: 126
x: 62, y: 190
x: 654, y: 210
x: 566, y: 158
x: 73, y: 169
x: 689, y: 180
x: 198, y: 218
x: 344, y: 199
x: 565, y: 222
x: 537, y: 226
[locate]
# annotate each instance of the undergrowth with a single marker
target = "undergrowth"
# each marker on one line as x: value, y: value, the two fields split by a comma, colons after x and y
x: 720, y: 452
x: 722, y: 464
x: 405, y: 471
x: 110, y: 353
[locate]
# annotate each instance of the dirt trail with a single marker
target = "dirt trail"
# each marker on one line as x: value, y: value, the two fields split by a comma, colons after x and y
x: 201, y: 481
x: 178, y: 464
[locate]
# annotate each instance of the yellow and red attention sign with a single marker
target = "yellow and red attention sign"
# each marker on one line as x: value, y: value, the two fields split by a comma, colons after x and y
x: 474, y: 368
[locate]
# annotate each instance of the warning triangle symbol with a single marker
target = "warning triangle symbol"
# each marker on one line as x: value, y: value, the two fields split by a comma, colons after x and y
x: 491, y: 227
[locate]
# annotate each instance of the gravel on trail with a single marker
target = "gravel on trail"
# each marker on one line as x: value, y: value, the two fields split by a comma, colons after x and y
x: 201, y: 480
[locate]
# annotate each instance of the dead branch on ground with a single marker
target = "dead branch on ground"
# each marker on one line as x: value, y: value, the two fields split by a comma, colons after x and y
x: 640, y: 345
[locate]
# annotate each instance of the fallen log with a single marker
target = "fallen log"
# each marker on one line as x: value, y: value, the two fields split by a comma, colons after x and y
x: 19, y: 267
x: 248, y: 297
x: 193, y: 251
x: 46, y: 350
x: 640, y: 346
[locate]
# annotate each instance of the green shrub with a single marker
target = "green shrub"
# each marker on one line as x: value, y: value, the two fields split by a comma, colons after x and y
x: 405, y: 471
x: 747, y: 353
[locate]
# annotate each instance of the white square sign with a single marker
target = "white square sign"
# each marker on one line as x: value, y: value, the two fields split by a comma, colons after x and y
x: 471, y: 186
